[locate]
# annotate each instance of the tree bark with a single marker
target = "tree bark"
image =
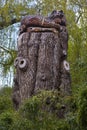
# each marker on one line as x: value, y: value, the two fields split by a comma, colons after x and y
x: 40, y: 65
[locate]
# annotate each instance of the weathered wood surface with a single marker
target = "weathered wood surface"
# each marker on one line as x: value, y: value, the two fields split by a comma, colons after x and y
x: 40, y: 65
x: 47, y: 76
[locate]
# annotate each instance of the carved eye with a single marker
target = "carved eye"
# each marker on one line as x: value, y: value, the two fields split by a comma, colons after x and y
x: 66, y: 65
x: 61, y: 11
x: 22, y: 63
x: 54, y: 11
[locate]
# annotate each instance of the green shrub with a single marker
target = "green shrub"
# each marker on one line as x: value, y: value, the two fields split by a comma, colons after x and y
x: 71, y: 119
x: 42, y: 111
x: 46, y: 101
x: 5, y: 99
x: 82, y: 109
x: 5, y: 104
x: 7, y: 119
x: 6, y: 91
x: 22, y: 124
x: 30, y: 108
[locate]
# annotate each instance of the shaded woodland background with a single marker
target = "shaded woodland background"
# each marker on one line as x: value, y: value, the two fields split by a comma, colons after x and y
x: 11, y: 11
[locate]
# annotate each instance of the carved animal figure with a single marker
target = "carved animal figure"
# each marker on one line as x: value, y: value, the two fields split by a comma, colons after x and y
x: 55, y: 19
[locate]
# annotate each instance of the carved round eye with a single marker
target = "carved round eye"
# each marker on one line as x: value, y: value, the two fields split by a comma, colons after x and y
x: 54, y: 11
x: 66, y: 65
x: 22, y: 63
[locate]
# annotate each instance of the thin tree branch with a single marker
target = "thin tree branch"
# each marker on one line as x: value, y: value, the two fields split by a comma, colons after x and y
x: 5, y: 49
x: 78, y: 17
x: 4, y: 64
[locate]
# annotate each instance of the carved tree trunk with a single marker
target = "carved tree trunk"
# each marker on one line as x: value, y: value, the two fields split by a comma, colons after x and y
x: 40, y: 65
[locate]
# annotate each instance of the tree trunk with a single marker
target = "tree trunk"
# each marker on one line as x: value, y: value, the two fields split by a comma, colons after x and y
x: 40, y: 65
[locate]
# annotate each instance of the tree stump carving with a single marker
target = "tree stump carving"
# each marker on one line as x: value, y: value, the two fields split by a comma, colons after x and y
x: 41, y: 61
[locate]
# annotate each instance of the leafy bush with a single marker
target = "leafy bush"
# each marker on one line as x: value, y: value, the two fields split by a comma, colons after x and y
x: 22, y: 124
x: 7, y: 119
x: 5, y: 99
x: 42, y: 111
x: 6, y: 91
x: 5, y: 104
x: 82, y: 109
x: 30, y: 108
x: 46, y: 101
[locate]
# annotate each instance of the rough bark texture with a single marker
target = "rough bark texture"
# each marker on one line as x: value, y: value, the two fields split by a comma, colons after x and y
x: 41, y: 64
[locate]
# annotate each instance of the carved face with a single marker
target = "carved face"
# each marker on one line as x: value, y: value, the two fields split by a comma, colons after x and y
x: 58, y: 17
x: 57, y: 14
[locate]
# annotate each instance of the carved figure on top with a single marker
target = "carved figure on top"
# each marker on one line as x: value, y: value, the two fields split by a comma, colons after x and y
x: 54, y: 20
